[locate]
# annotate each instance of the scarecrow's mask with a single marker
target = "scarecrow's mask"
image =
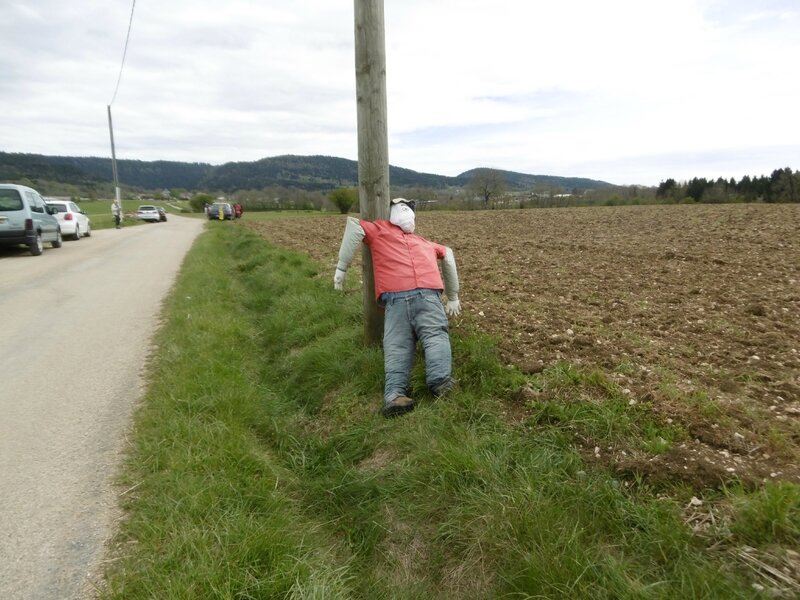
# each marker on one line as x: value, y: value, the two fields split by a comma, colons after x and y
x: 402, y: 215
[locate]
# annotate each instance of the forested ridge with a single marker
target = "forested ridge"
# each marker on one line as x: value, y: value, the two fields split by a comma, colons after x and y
x: 312, y: 173
x: 91, y: 171
x: 92, y: 177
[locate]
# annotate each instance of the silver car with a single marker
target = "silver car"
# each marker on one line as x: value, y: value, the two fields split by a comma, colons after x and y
x: 71, y: 217
x: 26, y: 219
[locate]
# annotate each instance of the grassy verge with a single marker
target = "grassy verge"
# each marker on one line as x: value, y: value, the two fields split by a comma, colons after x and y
x: 260, y: 467
x: 99, y: 211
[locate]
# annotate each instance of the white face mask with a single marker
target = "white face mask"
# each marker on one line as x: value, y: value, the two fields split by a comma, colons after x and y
x: 402, y: 216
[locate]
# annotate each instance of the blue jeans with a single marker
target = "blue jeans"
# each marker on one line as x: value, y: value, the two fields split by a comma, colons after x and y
x: 409, y: 317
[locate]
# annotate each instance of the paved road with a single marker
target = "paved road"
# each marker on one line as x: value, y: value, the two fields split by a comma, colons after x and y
x: 76, y: 326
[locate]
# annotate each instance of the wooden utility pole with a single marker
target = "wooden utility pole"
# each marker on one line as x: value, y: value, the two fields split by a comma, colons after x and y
x: 373, y: 142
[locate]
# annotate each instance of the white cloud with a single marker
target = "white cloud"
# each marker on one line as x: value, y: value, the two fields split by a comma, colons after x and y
x: 623, y: 90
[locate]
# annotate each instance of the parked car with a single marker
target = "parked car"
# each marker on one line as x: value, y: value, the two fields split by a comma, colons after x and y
x: 26, y: 219
x: 147, y: 212
x: 220, y: 210
x: 162, y: 213
x: 71, y: 217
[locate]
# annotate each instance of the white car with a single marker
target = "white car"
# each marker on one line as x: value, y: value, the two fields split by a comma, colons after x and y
x: 73, y: 220
x: 148, y: 213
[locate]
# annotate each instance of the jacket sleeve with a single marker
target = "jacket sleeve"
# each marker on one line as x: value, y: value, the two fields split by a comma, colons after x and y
x: 450, y: 274
x: 353, y: 236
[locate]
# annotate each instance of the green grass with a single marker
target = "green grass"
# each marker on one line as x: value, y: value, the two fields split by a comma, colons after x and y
x: 260, y: 467
x: 99, y: 211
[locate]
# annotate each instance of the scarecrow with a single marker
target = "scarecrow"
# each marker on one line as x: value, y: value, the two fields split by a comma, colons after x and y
x: 408, y: 285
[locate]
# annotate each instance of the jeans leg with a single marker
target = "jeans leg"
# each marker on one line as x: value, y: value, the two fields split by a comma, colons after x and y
x: 431, y: 327
x: 399, y: 347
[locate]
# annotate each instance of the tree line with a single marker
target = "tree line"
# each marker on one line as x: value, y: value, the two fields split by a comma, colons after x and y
x: 783, y: 185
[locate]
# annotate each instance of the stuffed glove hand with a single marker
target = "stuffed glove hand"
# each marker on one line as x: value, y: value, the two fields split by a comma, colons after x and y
x: 338, y: 279
x: 453, y: 307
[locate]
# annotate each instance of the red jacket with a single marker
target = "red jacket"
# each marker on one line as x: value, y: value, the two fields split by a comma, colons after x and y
x: 402, y: 261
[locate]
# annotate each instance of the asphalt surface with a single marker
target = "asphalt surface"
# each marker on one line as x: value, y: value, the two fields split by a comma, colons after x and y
x: 76, y: 326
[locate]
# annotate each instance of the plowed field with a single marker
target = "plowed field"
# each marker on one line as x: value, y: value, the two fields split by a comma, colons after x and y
x: 694, y: 311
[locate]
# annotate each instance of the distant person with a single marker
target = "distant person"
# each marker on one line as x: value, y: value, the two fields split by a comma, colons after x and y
x: 116, y: 210
x: 238, y: 210
x: 409, y: 286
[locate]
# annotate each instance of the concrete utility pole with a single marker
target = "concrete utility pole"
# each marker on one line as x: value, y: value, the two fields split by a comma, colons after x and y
x: 373, y: 142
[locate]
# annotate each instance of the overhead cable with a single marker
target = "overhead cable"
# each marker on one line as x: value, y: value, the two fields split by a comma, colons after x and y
x: 125, y: 52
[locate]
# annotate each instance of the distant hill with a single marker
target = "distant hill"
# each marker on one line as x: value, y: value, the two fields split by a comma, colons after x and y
x: 523, y: 181
x: 303, y: 172
x: 93, y: 170
x: 309, y: 173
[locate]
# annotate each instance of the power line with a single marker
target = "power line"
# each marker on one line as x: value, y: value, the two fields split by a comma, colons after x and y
x: 127, y: 38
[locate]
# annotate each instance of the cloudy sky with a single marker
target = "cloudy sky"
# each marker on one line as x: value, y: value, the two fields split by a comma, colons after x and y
x: 627, y: 91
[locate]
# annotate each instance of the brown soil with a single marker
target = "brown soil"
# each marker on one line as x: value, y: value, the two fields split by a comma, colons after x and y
x: 693, y: 311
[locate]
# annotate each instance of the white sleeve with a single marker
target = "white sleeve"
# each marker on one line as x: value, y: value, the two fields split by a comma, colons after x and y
x: 450, y: 274
x: 353, y: 236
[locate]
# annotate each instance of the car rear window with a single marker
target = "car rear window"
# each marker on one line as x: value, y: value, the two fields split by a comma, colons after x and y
x: 10, y: 200
x: 58, y: 207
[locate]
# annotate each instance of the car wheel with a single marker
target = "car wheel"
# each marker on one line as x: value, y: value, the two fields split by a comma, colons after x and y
x: 77, y: 233
x: 37, y: 247
x: 57, y: 242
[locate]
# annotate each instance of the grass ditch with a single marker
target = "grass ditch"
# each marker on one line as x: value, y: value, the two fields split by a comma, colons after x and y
x: 259, y: 466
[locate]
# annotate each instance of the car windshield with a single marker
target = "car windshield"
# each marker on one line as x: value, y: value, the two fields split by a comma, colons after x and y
x: 147, y: 208
x: 10, y: 200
